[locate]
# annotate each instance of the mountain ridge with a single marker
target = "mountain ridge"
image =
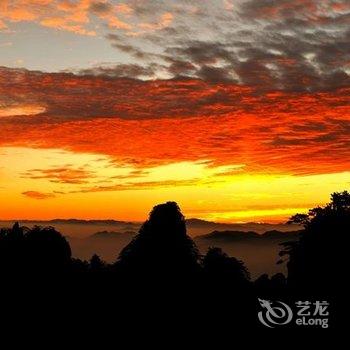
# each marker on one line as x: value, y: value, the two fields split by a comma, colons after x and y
x: 192, y: 221
x: 234, y: 235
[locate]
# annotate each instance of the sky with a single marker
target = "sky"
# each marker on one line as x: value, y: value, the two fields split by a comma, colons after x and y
x: 239, y: 110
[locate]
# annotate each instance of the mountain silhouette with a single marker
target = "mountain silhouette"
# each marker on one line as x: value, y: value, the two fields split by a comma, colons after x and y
x: 162, y: 246
x: 161, y: 271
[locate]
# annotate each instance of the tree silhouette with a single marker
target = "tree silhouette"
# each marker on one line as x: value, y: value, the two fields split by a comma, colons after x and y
x: 12, y: 249
x: 96, y: 264
x: 228, y: 290
x: 162, y: 247
x: 46, y: 250
x: 33, y: 251
x: 165, y: 262
x: 271, y: 287
x: 219, y: 265
x: 315, y: 261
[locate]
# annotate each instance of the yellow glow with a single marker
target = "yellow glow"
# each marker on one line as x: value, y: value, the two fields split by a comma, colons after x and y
x: 107, y: 190
x: 267, y: 215
x: 21, y: 110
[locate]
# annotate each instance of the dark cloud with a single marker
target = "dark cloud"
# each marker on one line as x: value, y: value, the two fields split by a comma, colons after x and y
x: 290, y: 45
x: 201, y: 52
x: 106, y: 93
x: 133, y: 71
x: 100, y: 7
x: 143, y: 185
x: 38, y: 195
x: 216, y: 74
x: 179, y: 68
x: 118, y: 42
x: 62, y: 175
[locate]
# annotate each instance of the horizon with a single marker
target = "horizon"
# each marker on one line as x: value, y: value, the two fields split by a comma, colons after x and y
x: 84, y: 229
x: 141, y: 221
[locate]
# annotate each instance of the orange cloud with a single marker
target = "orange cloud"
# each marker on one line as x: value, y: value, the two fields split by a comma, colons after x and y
x: 164, y: 21
x: 76, y: 16
x: 26, y: 110
x: 63, y: 15
x: 38, y: 195
x: 2, y: 25
x: 64, y: 175
x: 124, y: 9
x: 159, y: 122
x: 140, y: 186
x: 316, y: 11
x: 63, y: 24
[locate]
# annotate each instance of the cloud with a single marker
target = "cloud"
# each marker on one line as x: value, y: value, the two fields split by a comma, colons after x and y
x: 124, y: 9
x: 2, y: 25
x: 64, y: 15
x: 62, y: 175
x: 150, y: 123
x: 20, y: 110
x: 314, y: 10
x: 118, y: 42
x: 120, y: 70
x: 101, y: 7
x: 108, y: 13
x: 79, y: 17
x: 288, y: 45
x: 163, y: 22
x: 268, y: 45
x: 62, y: 24
x: 141, y: 186
x: 38, y: 195
x: 132, y: 174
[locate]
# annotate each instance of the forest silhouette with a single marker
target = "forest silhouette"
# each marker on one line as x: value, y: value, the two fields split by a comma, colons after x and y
x: 162, y: 272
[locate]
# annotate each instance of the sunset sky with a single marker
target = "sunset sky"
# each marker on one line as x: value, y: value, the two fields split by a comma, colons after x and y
x: 239, y: 110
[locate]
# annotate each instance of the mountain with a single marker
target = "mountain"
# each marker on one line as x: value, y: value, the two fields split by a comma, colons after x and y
x: 72, y: 221
x: 111, y: 235
x: 229, y: 236
x: 195, y: 227
x: 259, y: 252
x: 257, y: 244
x: 106, y: 244
x: 76, y: 228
